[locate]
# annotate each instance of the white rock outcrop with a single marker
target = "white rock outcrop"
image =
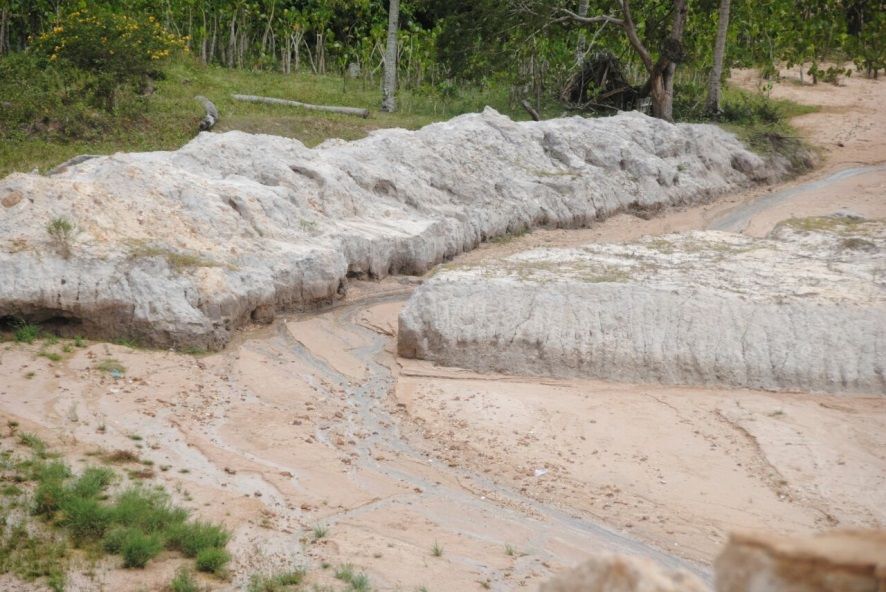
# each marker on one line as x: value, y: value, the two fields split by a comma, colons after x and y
x: 802, y: 310
x: 179, y: 248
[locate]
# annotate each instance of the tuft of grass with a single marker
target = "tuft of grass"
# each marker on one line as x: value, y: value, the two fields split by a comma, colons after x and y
x: 184, y: 582
x: 51, y: 356
x: 79, y: 341
x: 111, y: 366
x: 27, y: 333
x: 437, y: 550
x: 138, y: 548
x: 121, y: 457
x: 61, y: 231
x: 510, y: 550
x: 192, y: 537
x: 357, y: 582
x: 212, y: 560
x: 33, y: 442
x: 320, y: 531
x: 275, y: 582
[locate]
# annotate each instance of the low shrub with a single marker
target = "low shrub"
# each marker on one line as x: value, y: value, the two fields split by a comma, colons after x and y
x: 192, y: 537
x: 212, y: 560
x: 183, y: 582
x: 137, y: 548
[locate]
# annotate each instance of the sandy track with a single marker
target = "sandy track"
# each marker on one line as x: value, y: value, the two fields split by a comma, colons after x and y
x: 314, y: 421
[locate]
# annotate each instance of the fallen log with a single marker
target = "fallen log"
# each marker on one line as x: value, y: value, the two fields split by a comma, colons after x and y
x: 532, y: 112
x: 331, y: 108
x: 211, y: 117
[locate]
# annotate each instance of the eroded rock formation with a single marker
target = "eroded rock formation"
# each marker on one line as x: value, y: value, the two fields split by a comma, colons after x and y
x: 839, y: 561
x: 607, y: 572
x: 802, y: 310
x: 179, y: 248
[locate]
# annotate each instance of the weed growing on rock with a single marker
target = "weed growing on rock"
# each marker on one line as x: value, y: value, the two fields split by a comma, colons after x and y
x: 62, y: 231
x: 437, y: 550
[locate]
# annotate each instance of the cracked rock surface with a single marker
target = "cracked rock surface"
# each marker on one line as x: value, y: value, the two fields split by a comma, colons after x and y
x: 179, y: 248
x: 804, y: 309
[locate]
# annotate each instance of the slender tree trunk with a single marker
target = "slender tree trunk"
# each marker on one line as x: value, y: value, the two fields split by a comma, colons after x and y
x: 676, y: 38
x: 389, y: 89
x: 4, y: 18
x: 582, y: 38
x: 712, y: 104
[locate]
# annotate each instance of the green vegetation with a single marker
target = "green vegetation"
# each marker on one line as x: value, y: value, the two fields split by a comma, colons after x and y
x: 184, y: 582
x: 276, y: 582
x: 61, y: 231
x: 437, y: 550
x: 320, y: 531
x: 52, y: 516
x: 27, y: 333
x: 111, y: 366
x: 123, y: 75
x: 357, y: 582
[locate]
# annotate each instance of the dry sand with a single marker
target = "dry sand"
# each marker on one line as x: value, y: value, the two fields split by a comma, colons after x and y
x: 314, y: 421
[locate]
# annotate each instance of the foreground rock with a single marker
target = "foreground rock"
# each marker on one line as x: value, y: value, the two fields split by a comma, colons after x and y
x: 839, y: 561
x: 802, y: 310
x: 179, y: 248
x: 607, y: 572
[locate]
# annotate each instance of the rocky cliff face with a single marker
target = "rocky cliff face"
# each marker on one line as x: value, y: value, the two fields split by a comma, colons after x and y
x: 179, y: 248
x: 802, y: 310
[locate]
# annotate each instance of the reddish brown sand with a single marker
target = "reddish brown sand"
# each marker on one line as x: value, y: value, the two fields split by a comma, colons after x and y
x: 314, y: 421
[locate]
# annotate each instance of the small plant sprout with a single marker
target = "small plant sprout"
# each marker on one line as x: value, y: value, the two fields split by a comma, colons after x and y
x: 61, y: 231
x: 510, y: 551
x: 437, y: 549
x: 320, y: 531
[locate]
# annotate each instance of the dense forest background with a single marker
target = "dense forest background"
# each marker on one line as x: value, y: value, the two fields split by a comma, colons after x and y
x: 66, y: 66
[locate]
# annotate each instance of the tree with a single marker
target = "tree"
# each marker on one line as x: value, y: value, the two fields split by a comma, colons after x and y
x: 389, y: 90
x: 712, y: 104
x: 660, y: 85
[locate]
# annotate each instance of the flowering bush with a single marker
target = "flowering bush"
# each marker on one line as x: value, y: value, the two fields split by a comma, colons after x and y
x: 117, y: 48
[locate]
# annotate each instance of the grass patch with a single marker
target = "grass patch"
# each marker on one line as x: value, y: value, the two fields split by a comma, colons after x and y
x: 111, y: 366
x: 212, y: 560
x: 184, y: 582
x: 437, y: 550
x: 26, y: 333
x: 168, y: 118
x: 275, y: 582
x: 69, y: 512
x: 357, y: 582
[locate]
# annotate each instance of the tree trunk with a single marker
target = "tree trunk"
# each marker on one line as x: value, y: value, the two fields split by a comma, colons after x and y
x: 389, y: 90
x: 665, y: 99
x: 712, y: 104
x: 4, y: 18
x: 582, y: 39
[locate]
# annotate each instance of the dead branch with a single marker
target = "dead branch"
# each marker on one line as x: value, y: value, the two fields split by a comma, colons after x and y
x: 331, y: 108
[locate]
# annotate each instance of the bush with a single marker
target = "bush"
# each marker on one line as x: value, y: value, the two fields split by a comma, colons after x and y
x: 27, y: 333
x: 85, y: 518
x: 212, y: 560
x: 113, y: 541
x: 118, y: 49
x: 148, y: 510
x: 192, y: 537
x: 138, y: 548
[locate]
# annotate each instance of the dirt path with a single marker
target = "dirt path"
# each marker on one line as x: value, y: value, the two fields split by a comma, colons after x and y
x: 314, y: 421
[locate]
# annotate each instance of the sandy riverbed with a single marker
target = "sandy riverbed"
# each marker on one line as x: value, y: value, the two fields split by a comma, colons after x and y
x: 313, y: 420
